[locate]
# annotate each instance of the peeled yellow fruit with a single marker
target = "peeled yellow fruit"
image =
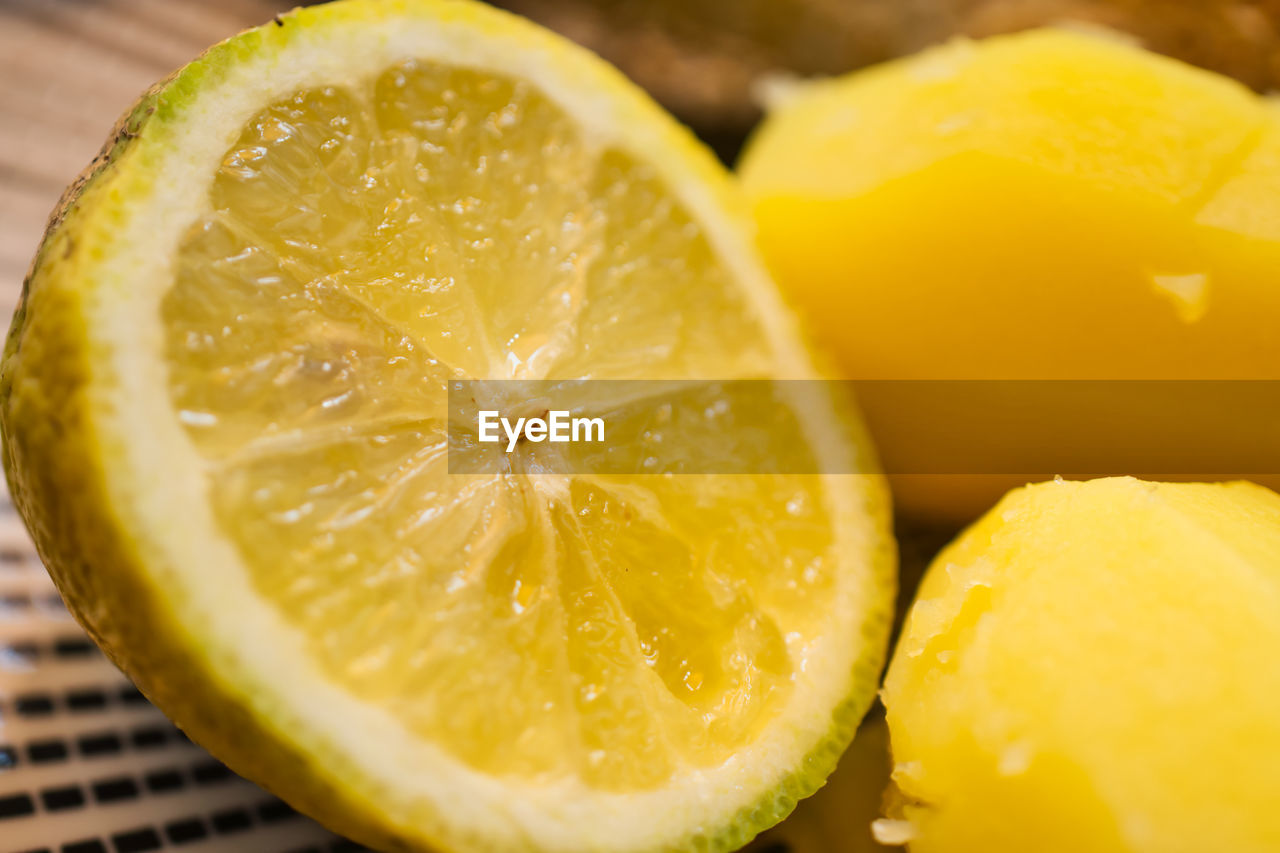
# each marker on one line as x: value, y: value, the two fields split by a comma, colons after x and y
x: 1050, y: 205
x: 1093, y: 667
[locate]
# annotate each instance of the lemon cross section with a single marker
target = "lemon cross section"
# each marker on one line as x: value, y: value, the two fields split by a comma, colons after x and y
x: 225, y: 421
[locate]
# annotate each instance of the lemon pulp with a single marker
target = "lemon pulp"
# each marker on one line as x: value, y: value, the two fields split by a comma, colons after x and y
x: 364, y: 243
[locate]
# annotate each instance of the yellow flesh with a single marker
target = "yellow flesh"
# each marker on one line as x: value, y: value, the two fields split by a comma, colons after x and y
x: 365, y: 244
x: 1048, y: 205
x: 1092, y: 666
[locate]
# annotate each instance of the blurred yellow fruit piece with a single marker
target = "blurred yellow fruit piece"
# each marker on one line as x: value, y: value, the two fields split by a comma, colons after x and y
x: 1092, y: 667
x: 1049, y: 205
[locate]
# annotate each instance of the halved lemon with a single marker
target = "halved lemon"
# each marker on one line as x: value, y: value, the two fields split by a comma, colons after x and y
x: 224, y: 418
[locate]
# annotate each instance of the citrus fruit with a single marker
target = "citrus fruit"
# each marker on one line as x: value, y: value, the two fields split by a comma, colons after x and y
x: 224, y: 422
x: 1044, y: 206
x: 1092, y: 667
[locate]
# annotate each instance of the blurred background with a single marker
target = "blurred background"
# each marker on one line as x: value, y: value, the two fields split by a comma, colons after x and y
x: 86, y: 766
x: 68, y: 68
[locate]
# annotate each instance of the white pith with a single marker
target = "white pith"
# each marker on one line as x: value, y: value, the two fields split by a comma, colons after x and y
x: 159, y: 490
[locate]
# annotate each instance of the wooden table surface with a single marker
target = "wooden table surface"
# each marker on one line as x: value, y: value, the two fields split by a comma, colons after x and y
x: 68, y: 69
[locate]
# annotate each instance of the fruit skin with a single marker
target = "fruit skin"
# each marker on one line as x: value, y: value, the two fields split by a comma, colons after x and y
x: 56, y: 459
x: 1049, y: 205
x: 1092, y: 666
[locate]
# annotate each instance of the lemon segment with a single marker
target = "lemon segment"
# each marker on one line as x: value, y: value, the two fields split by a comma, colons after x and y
x: 350, y: 262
